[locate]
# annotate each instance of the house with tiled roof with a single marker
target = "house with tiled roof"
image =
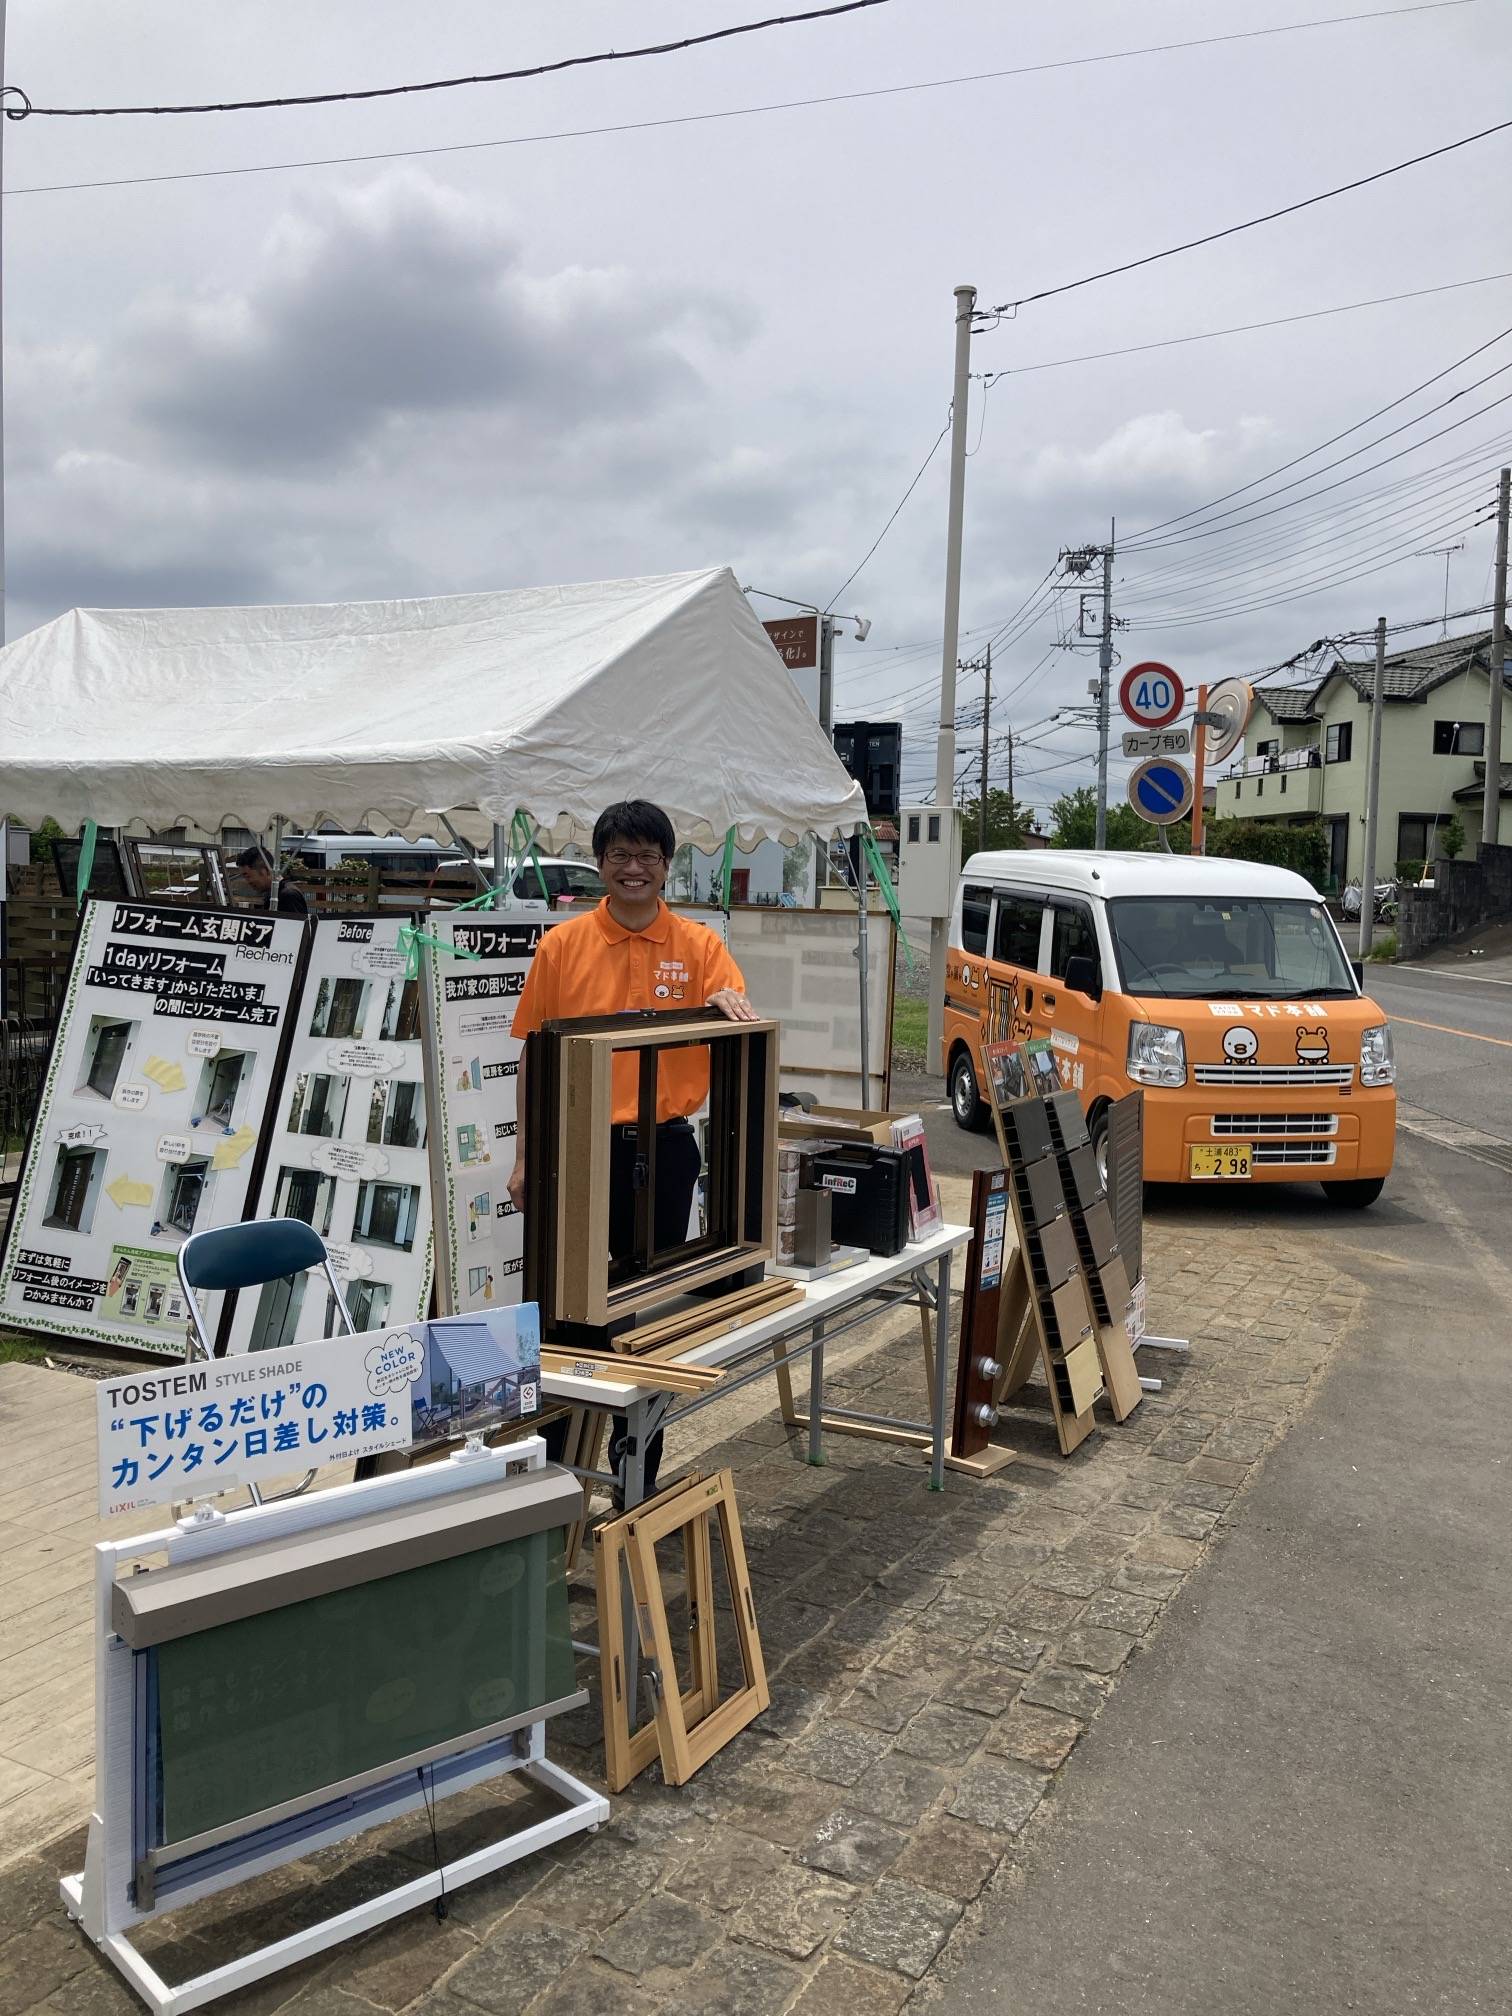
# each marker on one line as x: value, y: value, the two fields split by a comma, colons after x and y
x: 1306, y: 756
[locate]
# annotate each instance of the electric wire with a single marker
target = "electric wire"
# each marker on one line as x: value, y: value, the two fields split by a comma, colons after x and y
x: 1200, y: 511
x: 892, y: 519
x: 730, y: 112
x: 27, y: 110
x: 1246, y: 328
x: 1011, y: 308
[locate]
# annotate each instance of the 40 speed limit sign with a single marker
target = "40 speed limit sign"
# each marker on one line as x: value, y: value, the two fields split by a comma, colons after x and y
x: 1151, y: 694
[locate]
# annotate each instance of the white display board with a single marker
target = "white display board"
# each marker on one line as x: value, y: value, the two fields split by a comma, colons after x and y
x: 474, y: 1060
x: 151, y: 1117
x: 473, y: 1064
x: 800, y: 968
x: 347, y: 1142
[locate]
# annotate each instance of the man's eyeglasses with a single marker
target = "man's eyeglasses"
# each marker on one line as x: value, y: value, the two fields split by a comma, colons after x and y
x: 622, y: 857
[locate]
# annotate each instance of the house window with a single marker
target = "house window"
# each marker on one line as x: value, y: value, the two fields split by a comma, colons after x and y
x: 1459, y: 738
x: 1268, y: 751
x: 913, y: 829
x: 1415, y: 831
x: 934, y: 828
x: 1338, y: 742
x: 976, y: 903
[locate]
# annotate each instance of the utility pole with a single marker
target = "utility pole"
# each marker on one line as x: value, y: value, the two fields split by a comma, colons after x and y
x: 827, y: 677
x: 1012, y: 807
x: 986, y: 723
x: 1105, y: 677
x: 1491, y: 815
x: 945, y: 750
x: 1373, y: 793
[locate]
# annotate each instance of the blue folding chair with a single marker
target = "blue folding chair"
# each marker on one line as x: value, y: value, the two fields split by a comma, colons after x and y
x: 249, y: 1256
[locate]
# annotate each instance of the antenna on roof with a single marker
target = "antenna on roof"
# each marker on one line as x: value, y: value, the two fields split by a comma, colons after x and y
x: 1433, y: 553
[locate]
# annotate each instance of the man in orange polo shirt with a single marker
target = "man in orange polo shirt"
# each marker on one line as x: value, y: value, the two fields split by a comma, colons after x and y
x: 633, y: 953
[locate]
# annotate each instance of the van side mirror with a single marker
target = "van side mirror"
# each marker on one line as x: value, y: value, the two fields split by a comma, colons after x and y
x: 1081, y: 976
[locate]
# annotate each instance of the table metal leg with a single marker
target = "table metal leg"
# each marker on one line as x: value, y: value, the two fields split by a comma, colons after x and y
x: 941, y: 1371
x: 816, y: 1396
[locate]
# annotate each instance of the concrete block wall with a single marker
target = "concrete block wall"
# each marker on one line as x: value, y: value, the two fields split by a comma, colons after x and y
x: 1465, y: 894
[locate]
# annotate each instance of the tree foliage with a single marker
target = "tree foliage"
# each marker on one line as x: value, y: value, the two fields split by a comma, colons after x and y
x: 1073, y: 823
x: 1007, y: 822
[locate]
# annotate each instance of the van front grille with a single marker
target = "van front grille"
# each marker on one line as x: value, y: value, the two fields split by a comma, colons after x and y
x: 1250, y: 1126
x: 1295, y: 1154
x: 1274, y: 1074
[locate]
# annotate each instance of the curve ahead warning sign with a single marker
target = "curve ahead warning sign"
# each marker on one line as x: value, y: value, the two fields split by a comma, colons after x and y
x: 1161, y: 791
x: 1151, y: 695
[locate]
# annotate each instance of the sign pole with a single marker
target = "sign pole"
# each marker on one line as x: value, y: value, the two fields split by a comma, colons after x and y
x: 1199, y: 754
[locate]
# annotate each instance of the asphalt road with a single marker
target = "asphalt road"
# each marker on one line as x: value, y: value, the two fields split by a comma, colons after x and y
x: 1300, y: 1796
x: 1452, y: 1029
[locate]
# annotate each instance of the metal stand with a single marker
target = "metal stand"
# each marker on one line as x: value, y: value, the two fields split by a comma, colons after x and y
x: 104, y: 1898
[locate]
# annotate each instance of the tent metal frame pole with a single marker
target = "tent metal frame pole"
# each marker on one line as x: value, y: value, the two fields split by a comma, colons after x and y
x: 500, y: 848
x: 467, y: 848
x: 863, y: 960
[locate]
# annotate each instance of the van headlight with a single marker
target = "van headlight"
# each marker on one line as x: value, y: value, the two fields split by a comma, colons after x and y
x: 1377, y: 1060
x: 1157, y: 1056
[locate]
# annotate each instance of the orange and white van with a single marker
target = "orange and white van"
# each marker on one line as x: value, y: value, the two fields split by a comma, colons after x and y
x: 1221, y: 988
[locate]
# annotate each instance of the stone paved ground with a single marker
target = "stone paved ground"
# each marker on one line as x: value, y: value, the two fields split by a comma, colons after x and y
x: 935, y: 1660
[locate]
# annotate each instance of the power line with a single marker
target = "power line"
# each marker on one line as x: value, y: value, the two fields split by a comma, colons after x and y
x: 1245, y: 328
x: 1201, y: 510
x: 730, y: 112
x: 918, y: 477
x: 26, y: 110
x: 1250, y: 223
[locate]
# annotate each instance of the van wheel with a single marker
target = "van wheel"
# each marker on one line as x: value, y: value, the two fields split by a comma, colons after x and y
x: 1356, y: 1196
x: 965, y: 1099
x: 1097, y: 1127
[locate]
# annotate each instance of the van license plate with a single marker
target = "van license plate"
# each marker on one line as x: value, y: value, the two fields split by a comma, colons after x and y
x: 1230, y: 1162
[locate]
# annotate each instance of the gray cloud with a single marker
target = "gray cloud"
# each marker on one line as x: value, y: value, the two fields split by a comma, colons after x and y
x: 389, y: 307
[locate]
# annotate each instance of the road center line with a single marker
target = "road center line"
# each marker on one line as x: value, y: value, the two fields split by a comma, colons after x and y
x: 1443, y: 1028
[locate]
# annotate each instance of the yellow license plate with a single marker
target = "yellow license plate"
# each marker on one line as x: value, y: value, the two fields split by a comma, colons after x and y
x: 1230, y: 1162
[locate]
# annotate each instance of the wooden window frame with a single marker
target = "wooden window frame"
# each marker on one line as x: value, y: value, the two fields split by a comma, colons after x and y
x: 569, y: 1067
x: 686, y: 1748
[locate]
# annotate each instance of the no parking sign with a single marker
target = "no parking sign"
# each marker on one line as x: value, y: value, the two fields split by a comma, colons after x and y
x: 1161, y: 791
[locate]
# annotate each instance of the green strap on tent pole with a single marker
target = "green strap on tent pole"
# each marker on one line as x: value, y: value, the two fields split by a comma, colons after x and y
x: 878, y: 867
x: 526, y: 832
x: 727, y: 869
x: 89, y: 833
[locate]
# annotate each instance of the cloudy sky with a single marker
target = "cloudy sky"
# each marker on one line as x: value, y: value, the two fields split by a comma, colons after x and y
x: 715, y: 340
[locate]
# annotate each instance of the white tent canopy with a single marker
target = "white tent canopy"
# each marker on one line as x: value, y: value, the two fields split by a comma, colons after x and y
x: 550, y: 701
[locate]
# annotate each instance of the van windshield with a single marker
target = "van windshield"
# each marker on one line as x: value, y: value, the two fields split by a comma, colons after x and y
x: 1252, y: 948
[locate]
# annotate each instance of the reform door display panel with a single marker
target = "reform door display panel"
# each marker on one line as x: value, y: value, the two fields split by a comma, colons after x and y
x: 347, y: 1149
x: 476, y: 970
x: 153, y: 1116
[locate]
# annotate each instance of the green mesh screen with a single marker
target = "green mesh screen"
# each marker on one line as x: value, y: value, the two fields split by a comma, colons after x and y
x: 275, y: 1708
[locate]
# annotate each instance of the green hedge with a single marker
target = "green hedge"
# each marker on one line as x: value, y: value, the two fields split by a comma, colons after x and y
x: 1303, y: 849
